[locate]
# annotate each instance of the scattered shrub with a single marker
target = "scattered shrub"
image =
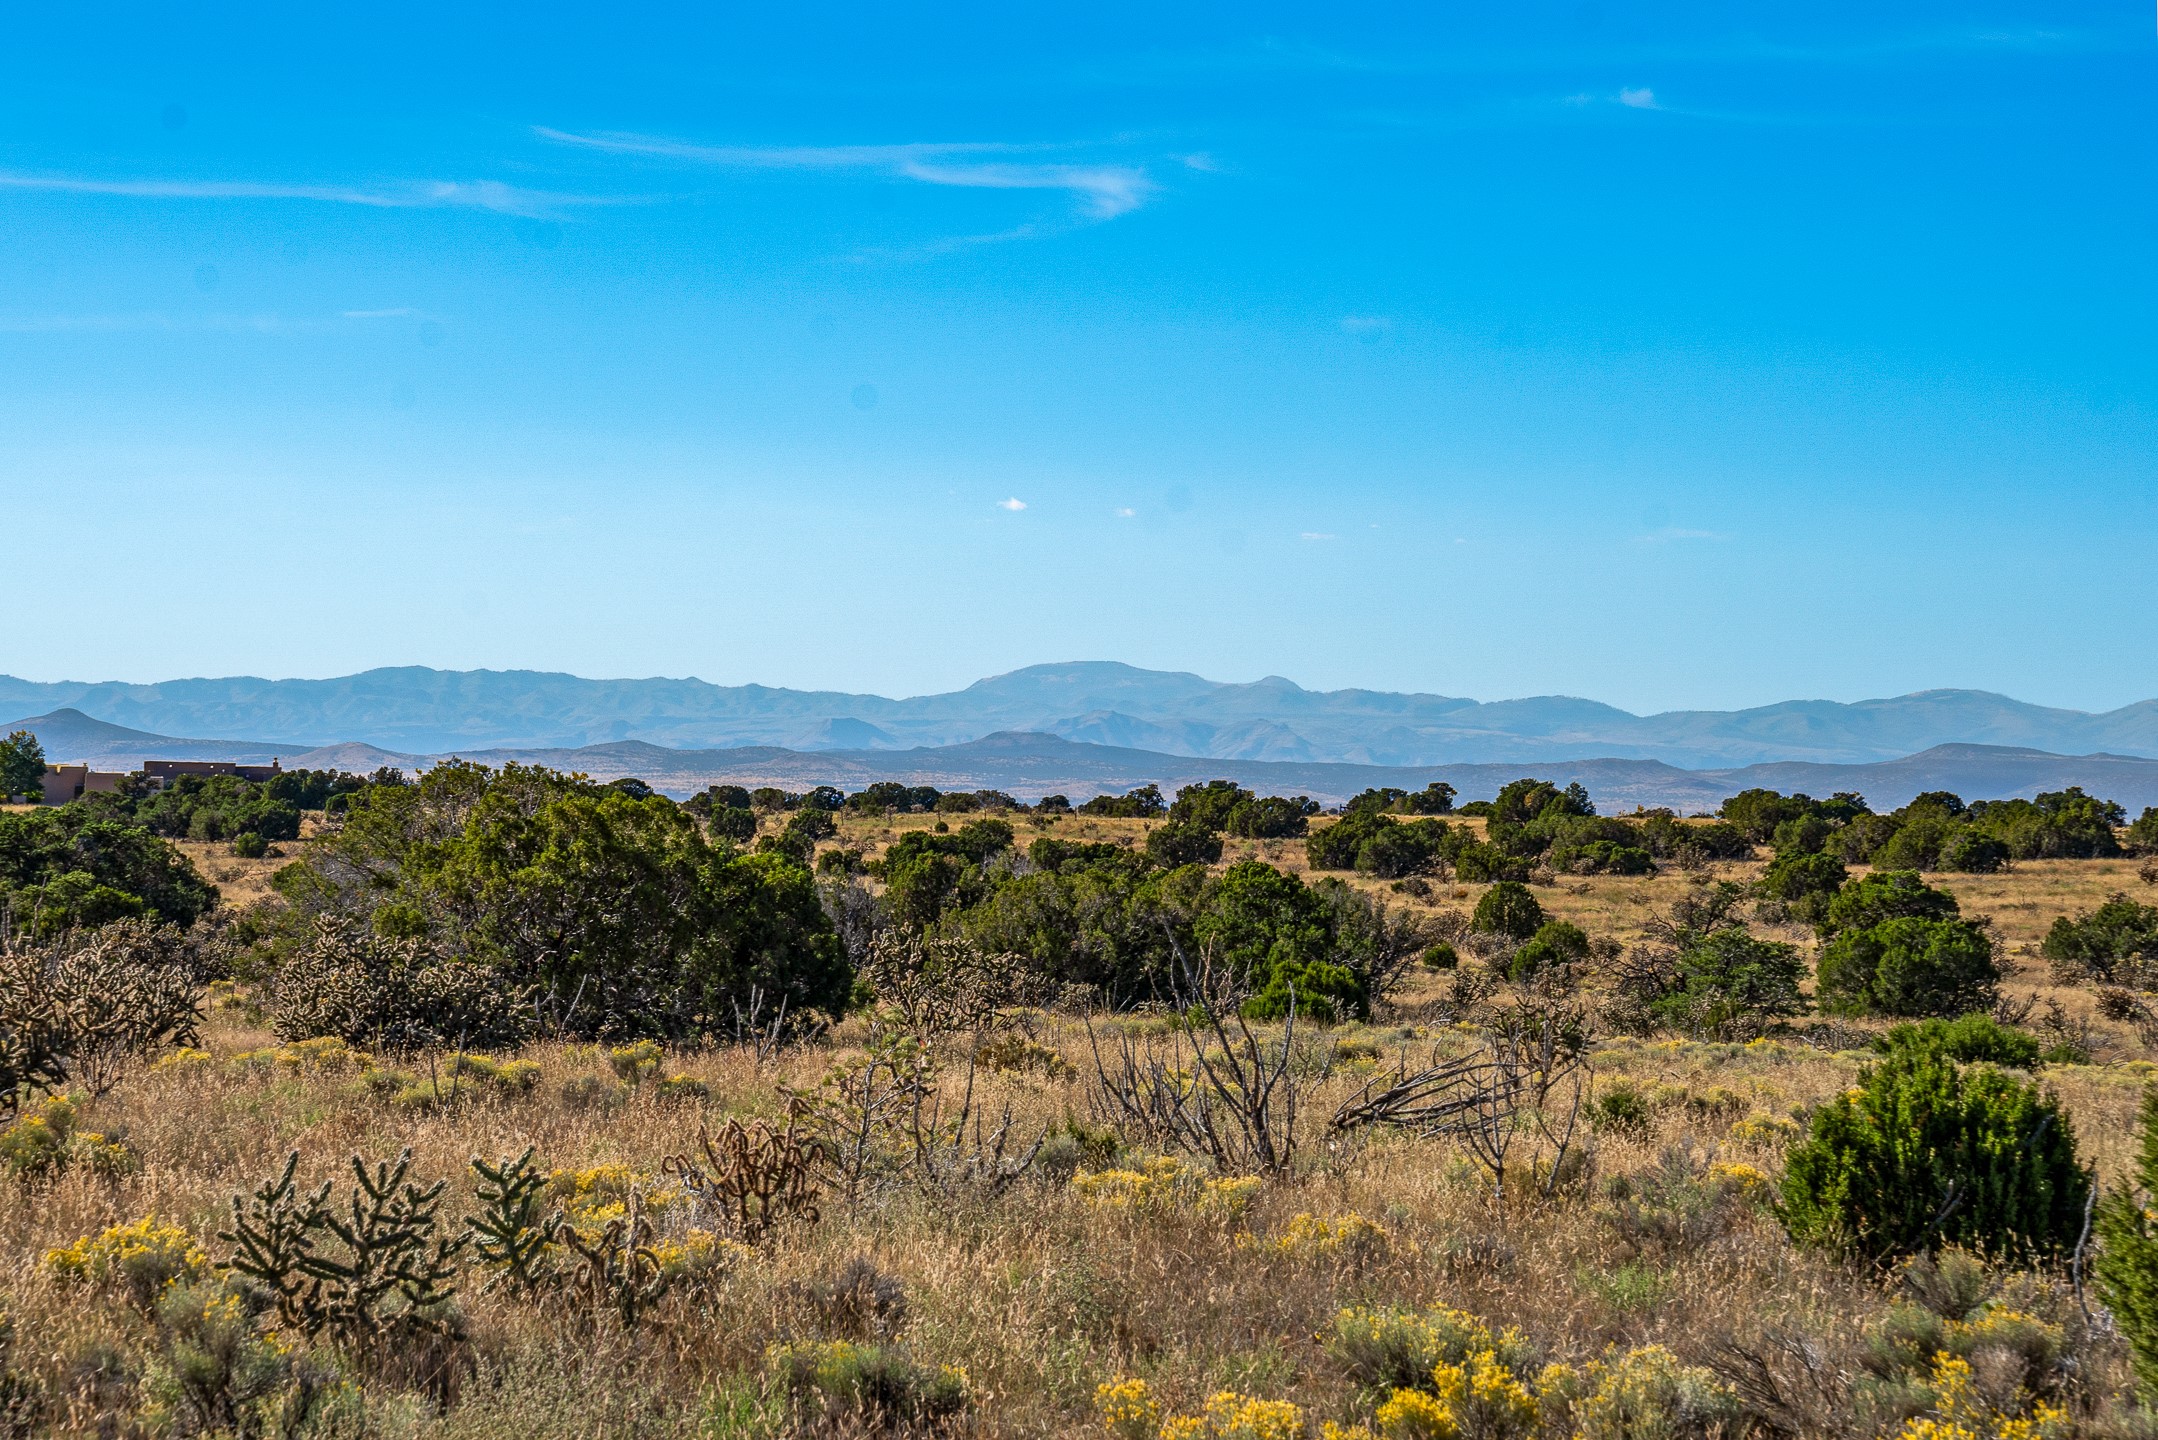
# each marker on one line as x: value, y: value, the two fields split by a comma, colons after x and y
x: 1645, y: 1394
x: 1508, y: 909
x: 1927, y: 1153
x: 1555, y: 948
x: 2127, y: 1264
x: 1165, y: 1185
x: 1349, y: 1238
x: 861, y: 1302
x: 140, y: 1260
x: 1886, y: 895
x: 2117, y: 941
x: 44, y: 1142
x: 1968, y: 1039
x: 1910, y: 966
x: 1728, y: 983
x: 1389, y: 1348
x: 869, y: 1386
x: 392, y: 994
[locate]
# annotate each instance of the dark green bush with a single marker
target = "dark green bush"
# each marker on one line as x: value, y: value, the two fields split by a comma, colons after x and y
x: 2120, y: 935
x: 1910, y: 967
x: 1973, y: 853
x: 1968, y: 1039
x: 1396, y: 849
x: 1322, y: 992
x: 1440, y: 956
x: 2127, y: 1264
x: 1209, y: 806
x: 1272, y: 817
x: 1623, y: 1110
x: 1556, y: 947
x: 1729, y: 983
x: 1508, y: 909
x: 1929, y: 1153
x: 1603, y: 857
x: 1887, y: 895
x: 732, y: 822
x: 1183, y: 842
x: 1803, y: 884
x: 1482, y: 864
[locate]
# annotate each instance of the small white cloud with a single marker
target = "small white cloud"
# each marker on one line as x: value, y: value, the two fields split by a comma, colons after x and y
x: 1014, y: 504
x: 1200, y: 160
x: 1103, y: 191
x: 1318, y: 535
x: 1367, y: 324
x: 398, y: 312
x: 1578, y: 100
x: 1125, y: 512
x: 1641, y: 99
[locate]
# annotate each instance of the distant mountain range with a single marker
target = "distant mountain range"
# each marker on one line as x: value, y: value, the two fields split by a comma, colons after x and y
x: 1030, y: 765
x: 413, y: 710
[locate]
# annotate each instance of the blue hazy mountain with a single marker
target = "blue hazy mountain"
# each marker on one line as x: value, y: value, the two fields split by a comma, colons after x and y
x: 415, y: 710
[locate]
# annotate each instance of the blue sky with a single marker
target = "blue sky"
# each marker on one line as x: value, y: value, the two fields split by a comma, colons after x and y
x: 1670, y: 355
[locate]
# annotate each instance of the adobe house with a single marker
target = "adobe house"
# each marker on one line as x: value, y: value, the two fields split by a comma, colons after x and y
x: 71, y: 782
x: 163, y: 772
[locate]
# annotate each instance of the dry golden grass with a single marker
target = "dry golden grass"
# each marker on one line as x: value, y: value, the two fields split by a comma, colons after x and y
x: 1039, y: 1295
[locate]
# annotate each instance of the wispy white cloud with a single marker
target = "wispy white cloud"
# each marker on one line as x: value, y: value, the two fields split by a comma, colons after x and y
x: 1125, y: 512
x: 1369, y: 325
x: 1317, y: 535
x: 1015, y: 504
x: 395, y: 312
x: 400, y: 195
x: 1641, y: 99
x: 1103, y: 191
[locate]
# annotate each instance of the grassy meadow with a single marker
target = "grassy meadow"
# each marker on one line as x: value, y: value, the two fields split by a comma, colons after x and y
x: 1107, y: 1260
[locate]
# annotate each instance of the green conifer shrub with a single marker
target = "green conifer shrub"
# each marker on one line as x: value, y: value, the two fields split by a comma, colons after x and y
x: 1929, y: 1153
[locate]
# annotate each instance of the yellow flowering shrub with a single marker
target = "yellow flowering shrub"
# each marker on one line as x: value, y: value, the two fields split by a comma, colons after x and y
x: 1771, y: 1133
x: 2000, y: 1327
x: 633, y: 1064
x: 1485, y: 1399
x: 1747, y: 1182
x: 1416, y: 1415
x: 1961, y: 1413
x: 1230, y: 1416
x: 1387, y: 1348
x: 593, y: 1197
x: 142, y: 1259
x: 1129, y: 1410
x: 324, y: 1052
x: 1167, y: 1184
x: 1645, y: 1394
x: 187, y: 1057
x: 43, y: 1142
x: 700, y: 1258
x: 1345, y: 1237
x: 1229, y: 1197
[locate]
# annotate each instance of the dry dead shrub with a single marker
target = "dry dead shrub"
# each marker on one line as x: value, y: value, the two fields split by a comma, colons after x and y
x: 753, y: 1178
